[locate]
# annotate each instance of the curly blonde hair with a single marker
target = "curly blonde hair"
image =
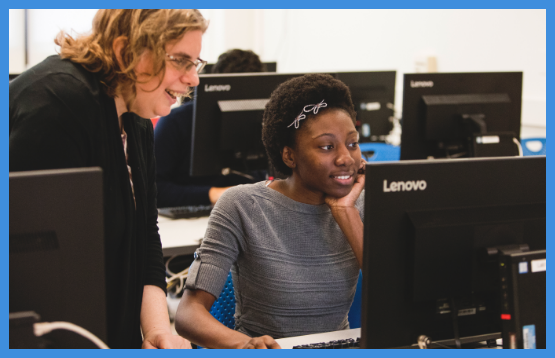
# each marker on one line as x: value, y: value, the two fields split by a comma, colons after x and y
x: 143, y: 29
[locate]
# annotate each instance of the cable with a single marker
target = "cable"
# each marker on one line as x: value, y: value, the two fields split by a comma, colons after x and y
x: 519, y: 146
x: 173, y: 277
x: 441, y: 345
x: 43, y: 328
x: 454, y: 316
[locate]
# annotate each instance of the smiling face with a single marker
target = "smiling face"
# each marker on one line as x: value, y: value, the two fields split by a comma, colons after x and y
x: 153, y: 100
x: 327, y: 155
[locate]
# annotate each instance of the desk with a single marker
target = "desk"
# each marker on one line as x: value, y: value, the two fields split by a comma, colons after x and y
x: 288, y: 343
x: 181, y: 236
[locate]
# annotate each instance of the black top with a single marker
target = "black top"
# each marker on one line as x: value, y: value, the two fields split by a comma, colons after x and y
x: 61, y: 118
x: 172, y: 142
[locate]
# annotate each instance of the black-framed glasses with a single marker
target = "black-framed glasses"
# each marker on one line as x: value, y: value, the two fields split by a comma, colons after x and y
x: 185, y: 65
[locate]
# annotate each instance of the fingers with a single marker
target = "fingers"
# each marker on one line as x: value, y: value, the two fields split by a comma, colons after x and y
x: 362, y: 166
x: 263, y: 342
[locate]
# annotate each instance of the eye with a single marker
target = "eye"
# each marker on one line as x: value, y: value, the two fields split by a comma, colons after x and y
x: 353, y: 145
x: 327, y: 147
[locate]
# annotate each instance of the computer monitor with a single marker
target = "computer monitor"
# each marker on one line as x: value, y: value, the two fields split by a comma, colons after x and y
x: 267, y: 67
x: 13, y: 76
x: 57, y: 251
x: 228, y: 111
x: 431, y: 233
x: 453, y: 115
x: 373, y: 95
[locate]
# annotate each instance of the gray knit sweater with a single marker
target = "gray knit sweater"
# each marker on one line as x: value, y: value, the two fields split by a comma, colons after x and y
x: 294, y: 272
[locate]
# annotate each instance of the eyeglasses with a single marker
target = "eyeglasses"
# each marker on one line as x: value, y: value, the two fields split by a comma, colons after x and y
x: 184, y: 64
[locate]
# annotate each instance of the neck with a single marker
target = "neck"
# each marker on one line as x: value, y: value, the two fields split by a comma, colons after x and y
x: 294, y: 188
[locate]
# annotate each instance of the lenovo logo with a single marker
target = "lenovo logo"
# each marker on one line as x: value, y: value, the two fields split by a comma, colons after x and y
x: 217, y: 88
x: 412, y: 185
x: 421, y: 84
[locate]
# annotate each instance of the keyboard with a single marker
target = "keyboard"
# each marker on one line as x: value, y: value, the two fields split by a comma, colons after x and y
x: 348, y: 343
x: 186, y: 212
x: 348, y: 338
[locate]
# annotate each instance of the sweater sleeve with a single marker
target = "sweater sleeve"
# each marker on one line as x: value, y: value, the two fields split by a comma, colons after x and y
x: 222, y: 244
x: 50, y: 124
x: 155, y: 270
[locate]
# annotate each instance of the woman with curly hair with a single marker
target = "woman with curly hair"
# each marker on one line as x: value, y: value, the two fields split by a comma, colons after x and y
x: 294, y: 246
x: 89, y: 106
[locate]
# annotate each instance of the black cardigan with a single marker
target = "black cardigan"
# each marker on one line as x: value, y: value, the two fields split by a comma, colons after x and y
x: 61, y: 118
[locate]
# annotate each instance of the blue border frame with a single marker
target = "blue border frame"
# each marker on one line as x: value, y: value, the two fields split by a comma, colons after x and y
x: 289, y: 4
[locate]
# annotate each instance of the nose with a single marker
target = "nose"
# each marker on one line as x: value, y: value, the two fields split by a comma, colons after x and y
x: 344, y: 157
x: 190, y: 78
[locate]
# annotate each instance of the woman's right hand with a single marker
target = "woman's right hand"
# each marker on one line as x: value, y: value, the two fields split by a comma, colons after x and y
x: 264, y: 342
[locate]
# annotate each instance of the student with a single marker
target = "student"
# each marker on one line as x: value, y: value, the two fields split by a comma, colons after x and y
x: 83, y: 108
x: 172, y: 144
x: 294, y: 246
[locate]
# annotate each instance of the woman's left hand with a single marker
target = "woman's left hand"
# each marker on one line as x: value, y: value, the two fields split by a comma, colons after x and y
x: 164, y: 340
x: 350, y: 199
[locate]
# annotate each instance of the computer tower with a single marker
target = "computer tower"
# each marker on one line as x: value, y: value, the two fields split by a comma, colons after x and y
x: 523, y: 299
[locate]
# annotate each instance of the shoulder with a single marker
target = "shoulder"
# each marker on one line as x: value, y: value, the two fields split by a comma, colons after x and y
x: 178, y: 114
x: 240, y: 196
x: 56, y: 82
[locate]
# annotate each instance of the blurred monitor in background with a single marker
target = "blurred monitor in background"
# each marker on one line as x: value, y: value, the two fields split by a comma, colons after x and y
x: 172, y: 142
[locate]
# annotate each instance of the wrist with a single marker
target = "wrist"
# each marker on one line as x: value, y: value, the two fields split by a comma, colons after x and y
x: 155, y: 331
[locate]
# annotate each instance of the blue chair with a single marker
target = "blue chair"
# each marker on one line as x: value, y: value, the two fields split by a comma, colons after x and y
x: 380, y: 152
x: 355, y: 312
x: 223, y: 308
x: 533, y: 146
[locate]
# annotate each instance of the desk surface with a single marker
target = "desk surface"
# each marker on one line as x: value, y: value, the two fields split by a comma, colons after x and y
x: 288, y: 343
x: 181, y: 236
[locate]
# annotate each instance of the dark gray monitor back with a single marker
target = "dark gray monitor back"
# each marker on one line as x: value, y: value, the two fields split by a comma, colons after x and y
x: 228, y: 113
x: 438, y: 112
x: 426, y: 225
x: 267, y: 66
x: 57, y: 250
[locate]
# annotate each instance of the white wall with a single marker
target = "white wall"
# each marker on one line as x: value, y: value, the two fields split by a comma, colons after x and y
x: 460, y: 40
x: 356, y: 40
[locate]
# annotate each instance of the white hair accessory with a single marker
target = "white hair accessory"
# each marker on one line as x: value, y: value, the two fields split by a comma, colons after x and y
x: 300, y: 117
x: 308, y: 108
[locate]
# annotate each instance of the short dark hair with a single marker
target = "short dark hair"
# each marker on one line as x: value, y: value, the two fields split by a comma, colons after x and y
x: 287, y: 102
x: 237, y: 61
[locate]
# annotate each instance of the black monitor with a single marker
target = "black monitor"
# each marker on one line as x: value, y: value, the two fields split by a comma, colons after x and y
x: 228, y: 112
x: 432, y: 232
x: 266, y: 66
x: 454, y: 115
x: 57, y: 253
x: 373, y: 95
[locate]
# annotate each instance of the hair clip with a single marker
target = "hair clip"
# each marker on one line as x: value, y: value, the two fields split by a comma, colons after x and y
x: 308, y: 108
x: 299, y: 118
x: 315, y: 107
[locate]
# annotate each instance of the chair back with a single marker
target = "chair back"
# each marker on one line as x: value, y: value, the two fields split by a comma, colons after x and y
x: 533, y: 146
x: 223, y: 308
x: 380, y: 152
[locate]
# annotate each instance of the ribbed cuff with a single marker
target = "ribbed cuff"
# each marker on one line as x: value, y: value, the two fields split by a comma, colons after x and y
x: 208, y: 278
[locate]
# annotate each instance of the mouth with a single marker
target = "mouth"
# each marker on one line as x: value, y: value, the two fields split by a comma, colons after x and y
x: 344, y: 179
x: 175, y: 94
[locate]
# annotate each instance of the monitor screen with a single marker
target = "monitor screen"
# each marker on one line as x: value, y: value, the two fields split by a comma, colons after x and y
x: 228, y: 111
x: 57, y: 251
x: 454, y: 115
x: 431, y: 231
